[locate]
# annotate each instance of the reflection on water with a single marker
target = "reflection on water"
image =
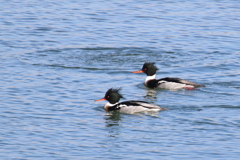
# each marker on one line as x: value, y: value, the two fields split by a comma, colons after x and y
x: 112, y: 118
x: 151, y: 94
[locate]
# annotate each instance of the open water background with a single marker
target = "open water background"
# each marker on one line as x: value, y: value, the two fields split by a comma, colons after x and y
x: 57, y: 57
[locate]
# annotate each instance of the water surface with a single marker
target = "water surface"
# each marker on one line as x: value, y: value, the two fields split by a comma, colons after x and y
x: 57, y: 57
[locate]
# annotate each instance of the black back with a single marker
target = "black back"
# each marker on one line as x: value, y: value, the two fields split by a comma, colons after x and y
x: 169, y: 79
x: 126, y: 103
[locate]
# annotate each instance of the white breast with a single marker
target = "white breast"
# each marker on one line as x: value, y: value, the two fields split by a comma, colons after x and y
x: 150, y: 78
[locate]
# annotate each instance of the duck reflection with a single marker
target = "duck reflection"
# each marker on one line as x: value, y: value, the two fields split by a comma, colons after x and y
x: 151, y: 94
x: 112, y: 119
x: 113, y: 128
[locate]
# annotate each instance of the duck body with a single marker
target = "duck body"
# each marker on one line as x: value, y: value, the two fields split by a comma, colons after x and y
x: 171, y: 83
x: 164, y: 83
x: 129, y: 107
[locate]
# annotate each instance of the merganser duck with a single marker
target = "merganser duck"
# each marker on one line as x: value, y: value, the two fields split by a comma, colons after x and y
x: 165, y: 83
x: 113, y: 96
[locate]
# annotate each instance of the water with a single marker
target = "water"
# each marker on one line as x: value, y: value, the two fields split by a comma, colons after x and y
x: 57, y: 57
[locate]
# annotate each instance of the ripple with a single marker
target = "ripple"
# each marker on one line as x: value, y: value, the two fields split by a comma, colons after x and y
x: 69, y: 57
x: 101, y: 58
x: 90, y: 58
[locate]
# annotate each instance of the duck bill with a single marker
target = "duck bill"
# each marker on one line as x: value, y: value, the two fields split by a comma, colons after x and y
x: 140, y: 71
x: 103, y: 99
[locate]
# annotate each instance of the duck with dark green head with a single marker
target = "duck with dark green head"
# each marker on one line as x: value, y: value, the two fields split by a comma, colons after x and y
x: 113, y: 97
x: 165, y: 83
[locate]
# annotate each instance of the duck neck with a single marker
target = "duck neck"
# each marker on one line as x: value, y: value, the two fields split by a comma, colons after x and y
x: 150, y: 78
x: 108, y: 105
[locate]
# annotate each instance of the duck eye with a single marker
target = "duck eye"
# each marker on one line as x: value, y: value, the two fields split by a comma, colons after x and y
x: 108, y: 96
x: 145, y: 69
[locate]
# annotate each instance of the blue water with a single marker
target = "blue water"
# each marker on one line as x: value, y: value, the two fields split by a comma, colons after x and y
x: 57, y: 57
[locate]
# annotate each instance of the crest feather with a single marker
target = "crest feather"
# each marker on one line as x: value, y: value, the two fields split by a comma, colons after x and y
x: 150, y: 64
x: 114, y: 90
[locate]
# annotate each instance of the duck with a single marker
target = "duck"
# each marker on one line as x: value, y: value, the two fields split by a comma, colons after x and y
x: 150, y: 70
x: 130, y: 107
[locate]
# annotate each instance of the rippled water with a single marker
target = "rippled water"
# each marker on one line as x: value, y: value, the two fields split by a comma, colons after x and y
x: 57, y: 57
